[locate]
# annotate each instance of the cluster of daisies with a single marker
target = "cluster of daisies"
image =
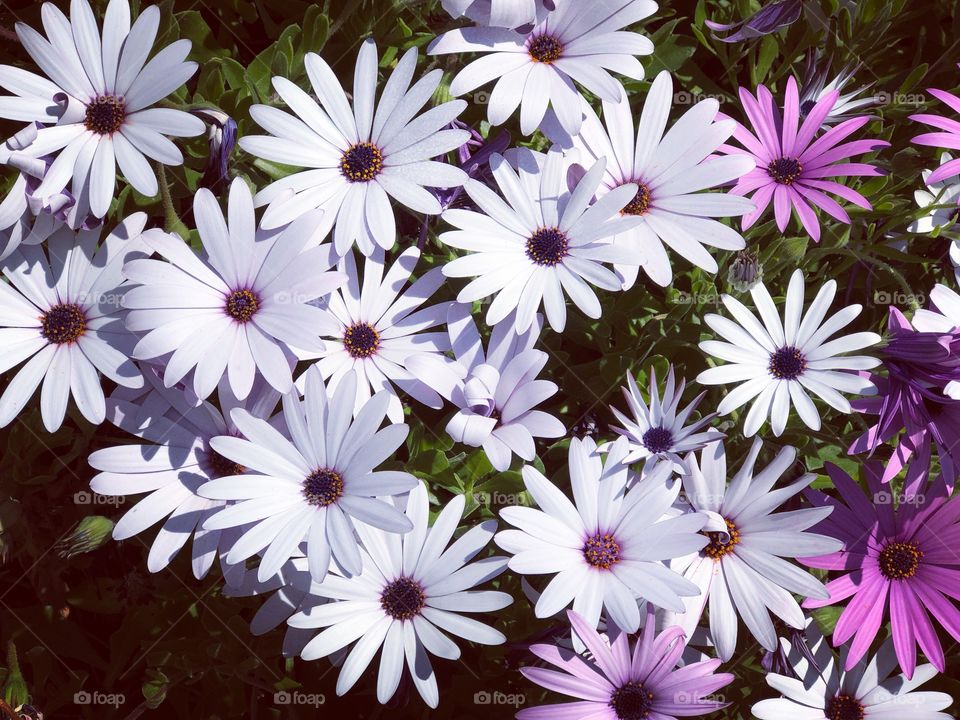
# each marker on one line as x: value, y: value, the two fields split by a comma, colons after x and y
x: 266, y: 378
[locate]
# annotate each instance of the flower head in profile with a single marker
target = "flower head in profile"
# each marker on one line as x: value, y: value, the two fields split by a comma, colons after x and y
x: 412, y: 594
x: 61, y: 313
x: 617, y: 683
x: 97, y: 100
x: 357, y: 158
x: 541, y: 243
x: 897, y: 563
x: 536, y: 67
x: 794, y: 165
x: 815, y: 87
x: 779, y: 362
x: 236, y: 310
x: 312, y: 485
x: 496, y: 391
x: 773, y: 16
x: 607, y: 548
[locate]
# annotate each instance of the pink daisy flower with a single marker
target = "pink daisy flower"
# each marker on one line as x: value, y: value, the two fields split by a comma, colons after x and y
x: 795, y: 167
x: 948, y: 136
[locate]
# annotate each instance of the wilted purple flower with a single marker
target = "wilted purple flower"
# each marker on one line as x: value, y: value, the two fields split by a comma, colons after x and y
x: 778, y: 660
x: 222, y: 136
x: 769, y: 19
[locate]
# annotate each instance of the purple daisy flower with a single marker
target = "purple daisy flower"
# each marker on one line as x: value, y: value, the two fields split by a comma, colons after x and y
x: 794, y: 166
x: 896, y: 555
x: 948, y: 136
x: 617, y: 684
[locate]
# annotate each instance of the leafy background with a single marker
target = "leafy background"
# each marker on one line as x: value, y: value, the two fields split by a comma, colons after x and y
x: 80, y: 612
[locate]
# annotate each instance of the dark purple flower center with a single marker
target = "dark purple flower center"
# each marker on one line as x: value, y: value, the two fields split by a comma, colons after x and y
x: 787, y: 363
x: 602, y: 551
x: 658, y: 439
x: 242, y: 305
x: 641, y: 201
x: 844, y: 707
x: 63, y: 323
x: 403, y: 599
x: 361, y: 340
x: 721, y: 544
x: 105, y: 115
x: 785, y: 170
x: 632, y: 701
x: 899, y: 561
x: 218, y: 466
x: 323, y: 487
x: 547, y: 247
x: 545, y: 48
x: 362, y: 162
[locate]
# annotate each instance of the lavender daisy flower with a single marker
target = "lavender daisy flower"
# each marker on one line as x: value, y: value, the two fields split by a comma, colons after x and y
x: 794, y: 165
x: 820, y: 689
x: 779, y: 362
x: 98, y: 100
x: 496, y: 392
x: 239, y: 309
x: 500, y: 13
x: 578, y: 42
x: 895, y: 555
x: 744, y: 570
x: 61, y: 313
x: 947, y: 137
x: 944, y: 319
x: 658, y: 432
x: 311, y: 486
x: 358, y: 158
x: 815, y: 87
x: 606, y: 549
x: 619, y: 684
x: 413, y: 591
x: 174, y: 460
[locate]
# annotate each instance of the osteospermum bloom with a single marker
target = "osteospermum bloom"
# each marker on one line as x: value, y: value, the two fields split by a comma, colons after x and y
x: 607, y: 548
x: 743, y: 572
x: 941, y: 200
x: 658, y: 431
x: 373, y: 328
x: 870, y: 690
x: 544, y: 243
x: 815, y: 87
x: 794, y: 166
x: 358, y: 158
x: 239, y: 309
x: 496, y: 392
x: 895, y: 555
x: 616, y: 683
x: 61, y: 309
x: 499, y: 13
x: 778, y: 362
x: 173, y: 460
x: 943, y: 318
x: 97, y: 100
x: 669, y: 171
x: 413, y: 591
x: 947, y: 137
x: 537, y: 68
x: 311, y: 486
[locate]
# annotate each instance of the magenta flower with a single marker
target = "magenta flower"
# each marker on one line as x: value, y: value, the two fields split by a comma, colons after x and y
x: 794, y: 167
x: 897, y: 555
x: 948, y: 137
x: 615, y: 684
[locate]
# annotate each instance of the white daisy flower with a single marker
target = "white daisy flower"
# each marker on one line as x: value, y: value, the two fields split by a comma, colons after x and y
x: 413, y: 591
x: 543, y: 242
x: 670, y: 171
x: 373, y: 328
x: 943, y: 200
x: 742, y: 571
x: 778, y: 362
x: 174, y: 460
x: 358, y: 158
x: 578, y: 42
x: 313, y: 486
x: 871, y: 690
x: 500, y: 13
x: 606, y: 549
x: 943, y: 317
x: 658, y: 431
x: 239, y: 309
x: 495, y: 391
x: 61, y: 309
x: 98, y: 99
